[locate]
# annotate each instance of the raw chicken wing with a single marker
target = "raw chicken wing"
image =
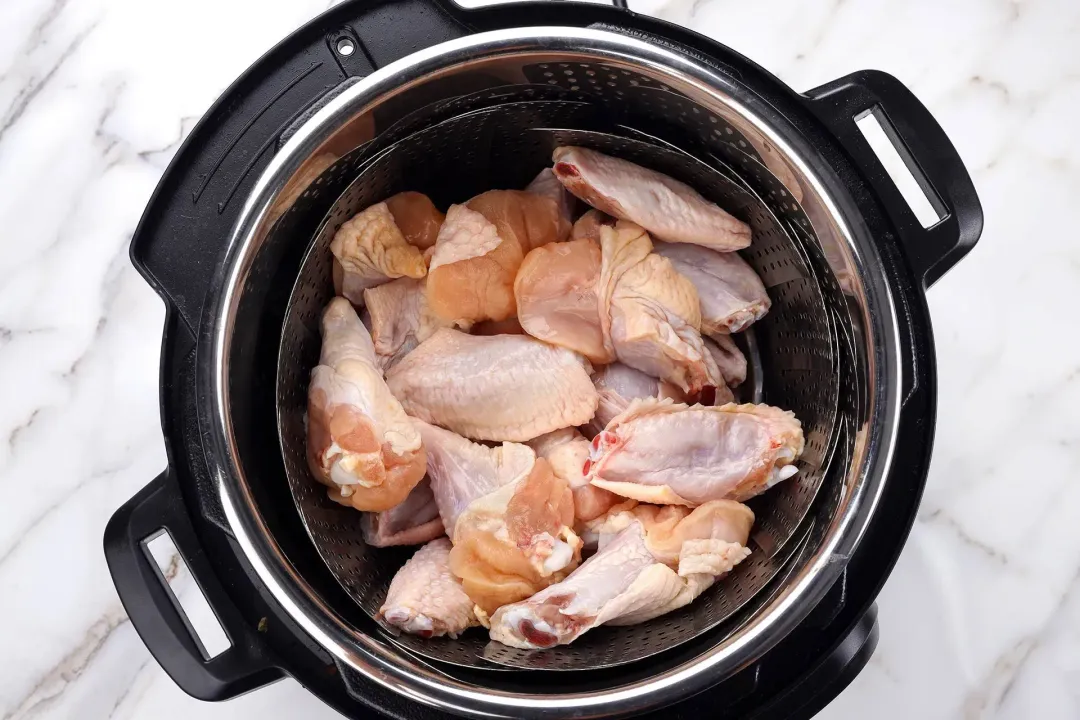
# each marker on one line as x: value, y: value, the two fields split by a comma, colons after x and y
x: 556, y: 293
x: 503, y: 387
x: 566, y: 451
x: 619, y: 301
x: 547, y: 185
x: 480, y: 248
x: 413, y: 522
x: 668, y: 527
x: 462, y: 471
x: 718, y: 393
x: 669, y: 209
x: 360, y: 442
x: 732, y: 296
x: 662, y: 452
x: 618, y: 385
x: 370, y: 250
x: 425, y: 598
x: 659, y: 560
x: 400, y: 319
x: 728, y: 358
x: 506, y: 513
x: 654, y: 314
x: 588, y: 226
x: 516, y: 540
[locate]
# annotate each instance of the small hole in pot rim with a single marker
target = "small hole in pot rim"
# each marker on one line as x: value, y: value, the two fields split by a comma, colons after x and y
x: 345, y: 47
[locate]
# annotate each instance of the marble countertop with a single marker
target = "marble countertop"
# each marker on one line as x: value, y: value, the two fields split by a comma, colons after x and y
x: 981, y: 617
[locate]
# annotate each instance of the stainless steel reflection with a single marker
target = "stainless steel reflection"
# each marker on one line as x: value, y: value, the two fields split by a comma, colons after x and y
x: 346, y: 121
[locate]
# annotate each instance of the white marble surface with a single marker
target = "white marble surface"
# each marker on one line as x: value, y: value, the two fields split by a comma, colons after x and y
x: 981, y: 618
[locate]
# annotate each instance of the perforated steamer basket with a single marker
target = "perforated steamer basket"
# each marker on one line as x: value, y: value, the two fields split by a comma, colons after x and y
x: 504, y: 145
x: 485, y: 111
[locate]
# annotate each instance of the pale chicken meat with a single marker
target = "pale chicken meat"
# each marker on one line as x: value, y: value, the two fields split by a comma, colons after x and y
x: 653, y: 313
x: 502, y: 387
x: 547, y: 185
x: 566, y: 451
x: 400, y: 319
x: 557, y: 292
x: 618, y: 385
x: 414, y: 521
x: 616, y: 301
x: 669, y: 527
x: 557, y: 301
x: 657, y: 560
x: 732, y: 295
x: 480, y: 248
x: 671, y: 210
x: 360, y: 442
x: 515, y: 541
x: 591, y: 531
x: 425, y: 598
x: 417, y: 218
x: 661, y: 452
x: 461, y: 471
x: 588, y: 226
x: 370, y: 250
x: 509, y: 517
x: 467, y: 268
x: 717, y: 392
x: 729, y: 359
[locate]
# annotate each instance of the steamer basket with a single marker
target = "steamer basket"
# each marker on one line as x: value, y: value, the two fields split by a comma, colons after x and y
x: 503, y: 145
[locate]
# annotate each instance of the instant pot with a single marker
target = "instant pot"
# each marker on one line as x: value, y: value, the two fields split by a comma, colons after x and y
x: 376, y: 97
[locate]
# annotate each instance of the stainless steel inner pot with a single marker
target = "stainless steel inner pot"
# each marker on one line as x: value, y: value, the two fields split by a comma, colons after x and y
x: 840, y: 353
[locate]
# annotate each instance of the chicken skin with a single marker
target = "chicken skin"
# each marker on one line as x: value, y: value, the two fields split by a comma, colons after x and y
x: 654, y: 313
x: 425, y: 598
x: 547, y: 185
x: 370, y: 250
x: 480, y: 248
x: 566, y: 451
x: 400, y: 319
x: 732, y: 295
x: 662, y: 452
x: 417, y: 218
x: 556, y: 294
x: 667, y: 208
x: 500, y: 387
x: 515, y: 541
x: 461, y: 471
x: 412, y: 522
x: 508, y: 517
x: 618, y: 385
x: 728, y: 358
x: 652, y: 560
x: 360, y: 442
x: 619, y: 301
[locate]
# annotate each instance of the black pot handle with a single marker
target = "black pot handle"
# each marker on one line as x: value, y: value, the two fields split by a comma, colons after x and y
x: 824, y: 682
x: 156, y: 615
x: 929, y: 155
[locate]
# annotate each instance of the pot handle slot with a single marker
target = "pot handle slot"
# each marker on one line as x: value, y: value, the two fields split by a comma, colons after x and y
x: 157, y: 616
x: 926, y: 151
